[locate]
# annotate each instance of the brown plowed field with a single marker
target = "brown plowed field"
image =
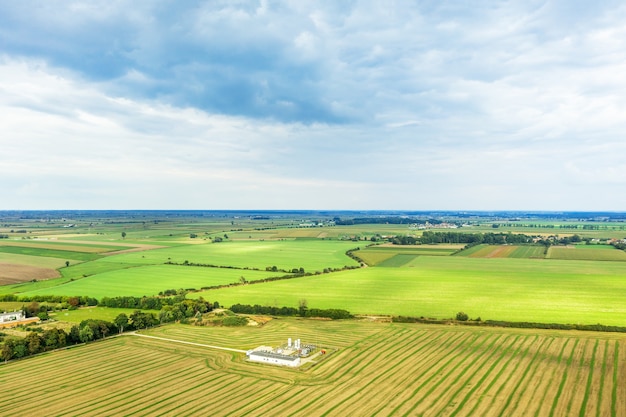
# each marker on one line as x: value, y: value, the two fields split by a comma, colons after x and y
x: 14, y: 273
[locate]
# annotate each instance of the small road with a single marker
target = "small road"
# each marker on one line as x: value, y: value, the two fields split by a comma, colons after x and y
x: 187, y: 343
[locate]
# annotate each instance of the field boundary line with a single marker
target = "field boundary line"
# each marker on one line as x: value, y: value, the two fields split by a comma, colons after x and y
x: 187, y: 343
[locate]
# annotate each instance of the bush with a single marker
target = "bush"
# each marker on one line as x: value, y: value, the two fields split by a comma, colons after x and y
x: 461, y: 316
x: 235, y: 321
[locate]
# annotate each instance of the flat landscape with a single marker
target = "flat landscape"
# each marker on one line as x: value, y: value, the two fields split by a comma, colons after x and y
x: 376, y: 369
x: 373, y: 366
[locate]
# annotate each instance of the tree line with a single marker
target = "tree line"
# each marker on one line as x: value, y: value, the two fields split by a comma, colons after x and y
x: 302, y: 311
x: 39, y: 340
x: 489, y: 238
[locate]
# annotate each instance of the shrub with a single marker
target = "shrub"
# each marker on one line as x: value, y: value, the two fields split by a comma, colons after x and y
x: 461, y: 316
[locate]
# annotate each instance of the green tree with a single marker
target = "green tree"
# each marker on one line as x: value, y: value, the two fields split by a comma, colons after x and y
x: 33, y: 341
x: 302, y: 307
x: 7, y: 350
x: 461, y: 316
x: 121, y: 321
x: 123, y: 235
x: 86, y: 334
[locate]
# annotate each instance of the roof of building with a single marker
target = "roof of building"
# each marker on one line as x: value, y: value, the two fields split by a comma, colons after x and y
x: 273, y: 355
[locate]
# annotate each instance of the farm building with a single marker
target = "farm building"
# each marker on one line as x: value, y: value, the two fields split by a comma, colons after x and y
x: 11, y: 317
x: 288, y: 354
x: 274, y: 358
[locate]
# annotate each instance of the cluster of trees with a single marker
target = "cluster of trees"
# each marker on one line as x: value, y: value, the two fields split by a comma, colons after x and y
x: 75, y: 301
x: 4, y: 236
x: 302, y: 310
x: 429, y: 237
x: 471, y: 239
x: 619, y: 245
x: 39, y: 341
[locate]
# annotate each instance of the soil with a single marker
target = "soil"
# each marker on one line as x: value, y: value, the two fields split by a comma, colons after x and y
x: 14, y: 273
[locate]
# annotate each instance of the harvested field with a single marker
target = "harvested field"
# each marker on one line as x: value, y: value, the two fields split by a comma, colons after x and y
x: 379, y: 369
x: 16, y: 273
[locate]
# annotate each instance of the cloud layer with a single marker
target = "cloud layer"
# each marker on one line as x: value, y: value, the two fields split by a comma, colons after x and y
x: 313, y: 105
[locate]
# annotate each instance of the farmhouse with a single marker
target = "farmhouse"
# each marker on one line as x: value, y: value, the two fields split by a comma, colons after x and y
x: 11, y: 317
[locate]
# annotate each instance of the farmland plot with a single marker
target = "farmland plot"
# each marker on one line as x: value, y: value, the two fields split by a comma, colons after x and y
x: 588, y: 253
x: 379, y: 369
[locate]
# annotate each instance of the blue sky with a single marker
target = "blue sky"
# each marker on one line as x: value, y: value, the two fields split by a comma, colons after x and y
x: 444, y: 105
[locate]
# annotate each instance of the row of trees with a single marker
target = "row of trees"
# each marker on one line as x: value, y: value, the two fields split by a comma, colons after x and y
x: 429, y: 237
x: 302, y: 310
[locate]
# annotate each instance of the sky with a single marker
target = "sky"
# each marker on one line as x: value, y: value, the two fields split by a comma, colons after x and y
x: 351, y: 105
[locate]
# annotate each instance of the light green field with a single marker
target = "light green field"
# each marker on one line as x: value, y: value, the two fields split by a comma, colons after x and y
x: 150, y: 280
x: 96, y: 313
x: 38, y: 261
x: 312, y: 255
x: 50, y: 253
x: 587, y: 252
x: 529, y: 252
x: 498, y: 289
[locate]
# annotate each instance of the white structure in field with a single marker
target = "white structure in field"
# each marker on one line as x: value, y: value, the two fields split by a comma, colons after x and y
x: 11, y: 317
x: 287, y: 355
x: 274, y: 358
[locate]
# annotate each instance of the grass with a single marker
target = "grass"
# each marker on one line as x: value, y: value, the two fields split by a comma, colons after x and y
x: 30, y: 260
x: 99, y: 313
x: 587, y: 252
x: 312, y: 255
x: 50, y: 253
x: 150, y: 280
x: 498, y: 289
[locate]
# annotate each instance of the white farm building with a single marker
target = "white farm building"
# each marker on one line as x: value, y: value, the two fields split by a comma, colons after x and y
x: 11, y: 317
x: 273, y: 358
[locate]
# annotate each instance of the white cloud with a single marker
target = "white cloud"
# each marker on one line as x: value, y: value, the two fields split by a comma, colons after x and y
x: 507, y: 105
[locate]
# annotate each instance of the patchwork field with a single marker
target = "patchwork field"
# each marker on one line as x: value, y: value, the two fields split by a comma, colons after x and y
x: 504, y: 251
x: 379, y: 369
x: 434, y: 286
x: 395, y: 255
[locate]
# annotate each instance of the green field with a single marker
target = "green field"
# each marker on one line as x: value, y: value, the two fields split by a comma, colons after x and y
x: 378, y: 369
x: 587, y: 252
x: 50, y: 253
x: 150, y: 280
x: 100, y: 313
x: 312, y: 255
x: 498, y: 289
x: 38, y: 261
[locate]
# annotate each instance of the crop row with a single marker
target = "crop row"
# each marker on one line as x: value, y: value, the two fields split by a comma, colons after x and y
x: 381, y: 369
